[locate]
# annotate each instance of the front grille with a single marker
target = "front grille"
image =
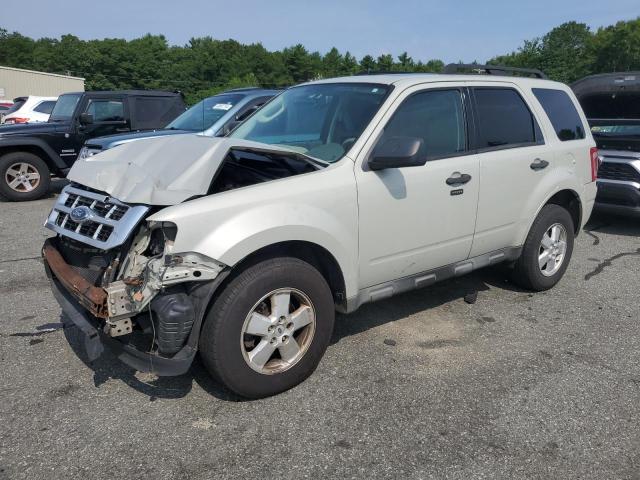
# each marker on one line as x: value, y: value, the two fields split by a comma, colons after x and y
x: 102, y: 209
x: 108, y: 224
x: 618, y: 171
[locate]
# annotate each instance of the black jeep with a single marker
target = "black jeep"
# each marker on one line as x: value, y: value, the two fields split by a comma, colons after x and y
x: 31, y: 153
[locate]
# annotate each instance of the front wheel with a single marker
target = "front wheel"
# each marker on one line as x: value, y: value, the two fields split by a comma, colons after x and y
x: 268, y: 329
x: 547, y: 249
x: 23, y: 176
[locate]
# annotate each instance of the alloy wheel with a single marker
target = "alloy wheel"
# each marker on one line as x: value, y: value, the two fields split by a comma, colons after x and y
x: 278, y: 331
x: 553, y: 248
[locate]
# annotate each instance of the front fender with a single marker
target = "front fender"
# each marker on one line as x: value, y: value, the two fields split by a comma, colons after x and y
x: 319, y: 208
x: 52, y: 156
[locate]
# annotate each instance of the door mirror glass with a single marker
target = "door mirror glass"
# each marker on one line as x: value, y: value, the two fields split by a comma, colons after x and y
x: 397, y: 152
x: 85, y: 119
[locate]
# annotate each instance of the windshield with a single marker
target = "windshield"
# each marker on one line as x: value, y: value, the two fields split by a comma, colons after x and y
x: 615, y: 130
x: 321, y: 120
x: 613, y: 114
x: 64, y: 108
x: 205, y: 113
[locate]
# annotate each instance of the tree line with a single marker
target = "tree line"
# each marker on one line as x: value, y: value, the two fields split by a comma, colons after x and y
x: 205, y: 66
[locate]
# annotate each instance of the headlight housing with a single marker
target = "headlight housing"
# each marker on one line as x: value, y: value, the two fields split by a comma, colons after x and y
x: 86, y: 152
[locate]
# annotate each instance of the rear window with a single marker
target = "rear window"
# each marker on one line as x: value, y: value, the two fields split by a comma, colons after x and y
x: 504, y: 119
x: 15, y: 107
x: 45, y: 107
x: 562, y: 113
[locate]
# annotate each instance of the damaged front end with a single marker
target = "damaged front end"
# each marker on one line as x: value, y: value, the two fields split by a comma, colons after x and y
x: 117, y: 279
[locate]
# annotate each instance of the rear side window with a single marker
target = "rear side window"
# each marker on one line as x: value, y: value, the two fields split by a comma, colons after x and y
x: 45, y: 107
x: 155, y: 112
x: 562, y: 113
x: 504, y: 120
x: 436, y: 117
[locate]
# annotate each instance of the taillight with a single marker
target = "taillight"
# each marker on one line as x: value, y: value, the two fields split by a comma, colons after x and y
x: 595, y: 163
x: 16, y: 120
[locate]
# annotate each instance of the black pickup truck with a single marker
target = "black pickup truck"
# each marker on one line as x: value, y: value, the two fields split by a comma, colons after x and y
x: 31, y: 153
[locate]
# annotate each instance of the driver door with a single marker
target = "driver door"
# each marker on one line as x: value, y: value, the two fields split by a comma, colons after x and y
x: 410, y: 219
x: 109, y: 118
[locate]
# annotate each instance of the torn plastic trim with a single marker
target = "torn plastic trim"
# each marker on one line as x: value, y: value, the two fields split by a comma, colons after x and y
x: 96, y: 341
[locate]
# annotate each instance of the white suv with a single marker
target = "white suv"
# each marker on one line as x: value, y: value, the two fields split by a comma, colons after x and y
x: 336, y: 193
x: 30, y: 109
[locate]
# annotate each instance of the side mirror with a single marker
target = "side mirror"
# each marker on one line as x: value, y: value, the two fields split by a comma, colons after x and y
x: 229, y: 127
x: 85, y: 119
x: 396, y: 152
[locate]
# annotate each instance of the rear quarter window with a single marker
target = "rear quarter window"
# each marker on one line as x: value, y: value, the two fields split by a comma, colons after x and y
x: 504, y: 119
x: 561, y: 112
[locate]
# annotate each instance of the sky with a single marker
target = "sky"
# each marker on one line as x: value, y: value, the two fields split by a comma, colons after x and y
x: 451, y: 31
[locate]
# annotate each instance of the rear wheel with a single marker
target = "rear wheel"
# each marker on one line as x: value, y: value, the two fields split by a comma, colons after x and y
x: 268, y: 329
x: 547, y: 250
x: 23, y: 176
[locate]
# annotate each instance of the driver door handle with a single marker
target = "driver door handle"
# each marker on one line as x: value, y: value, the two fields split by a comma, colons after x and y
x: 458, y: 178
x: 539, y: 164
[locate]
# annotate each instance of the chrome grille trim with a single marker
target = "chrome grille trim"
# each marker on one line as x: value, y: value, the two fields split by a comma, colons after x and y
x: 109, y: 227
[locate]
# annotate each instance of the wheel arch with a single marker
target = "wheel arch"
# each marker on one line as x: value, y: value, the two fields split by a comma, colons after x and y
x: 569, y: 199
x: 316, y: 255
x: 36, y: 147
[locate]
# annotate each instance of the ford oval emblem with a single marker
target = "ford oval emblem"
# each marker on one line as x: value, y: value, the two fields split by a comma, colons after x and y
x: 81, y: 214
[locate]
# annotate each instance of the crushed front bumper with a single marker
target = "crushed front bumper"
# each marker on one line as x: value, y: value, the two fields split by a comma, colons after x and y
x: 85, y: 306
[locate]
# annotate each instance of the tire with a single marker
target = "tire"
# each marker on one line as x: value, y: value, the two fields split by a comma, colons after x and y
x: 227, y: 349
x: 31, y: 188
x: 528, y: 271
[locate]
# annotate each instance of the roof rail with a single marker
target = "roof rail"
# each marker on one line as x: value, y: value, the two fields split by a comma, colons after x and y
x: 492, y: 69
x: 380, y: 72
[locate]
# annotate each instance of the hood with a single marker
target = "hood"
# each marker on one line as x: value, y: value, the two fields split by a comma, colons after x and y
x: 30, y: 128
x: 163, y: 170
x: 111, y: 141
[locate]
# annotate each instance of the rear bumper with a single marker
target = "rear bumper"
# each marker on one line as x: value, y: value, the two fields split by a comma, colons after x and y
x: 618, y: 197
x: 77, y: 297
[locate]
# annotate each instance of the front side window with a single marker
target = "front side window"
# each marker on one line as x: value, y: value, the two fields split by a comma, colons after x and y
x: 64, y: 107
x: 562, y: 113
x: 436, y: 117
x: 106, y: 110
x: 45, y: 107
x: 319, y: 120
x: 504, y: 119
x: 205, y: 113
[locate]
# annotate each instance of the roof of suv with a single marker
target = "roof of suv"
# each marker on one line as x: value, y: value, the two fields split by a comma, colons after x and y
x: 154, y: 93
x: 409, y: 79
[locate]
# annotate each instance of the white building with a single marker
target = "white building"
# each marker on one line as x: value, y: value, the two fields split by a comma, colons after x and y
x: 17, y: 82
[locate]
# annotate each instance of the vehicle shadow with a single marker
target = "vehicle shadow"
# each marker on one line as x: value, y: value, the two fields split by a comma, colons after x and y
x: 612, y: 224
x: 401, y: 306
x: 108, y: 367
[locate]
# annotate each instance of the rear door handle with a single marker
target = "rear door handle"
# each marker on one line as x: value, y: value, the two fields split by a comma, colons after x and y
x: 539, y: 164
x: 458, y: 178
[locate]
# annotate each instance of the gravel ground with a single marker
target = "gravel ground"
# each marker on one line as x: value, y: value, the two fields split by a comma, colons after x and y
x: 424, y: 385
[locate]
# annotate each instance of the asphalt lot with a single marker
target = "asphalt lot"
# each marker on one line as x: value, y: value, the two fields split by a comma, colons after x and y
x: 424, y: 385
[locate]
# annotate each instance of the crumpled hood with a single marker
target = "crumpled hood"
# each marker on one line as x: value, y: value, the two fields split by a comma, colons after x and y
x: 159, y: 171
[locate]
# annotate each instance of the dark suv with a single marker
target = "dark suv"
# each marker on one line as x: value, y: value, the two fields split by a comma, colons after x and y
x: 213, y: 117
x: 612, y: 104
x: 30, y: 153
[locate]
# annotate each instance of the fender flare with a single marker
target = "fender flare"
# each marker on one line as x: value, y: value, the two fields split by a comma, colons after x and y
x: 53, y: 159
